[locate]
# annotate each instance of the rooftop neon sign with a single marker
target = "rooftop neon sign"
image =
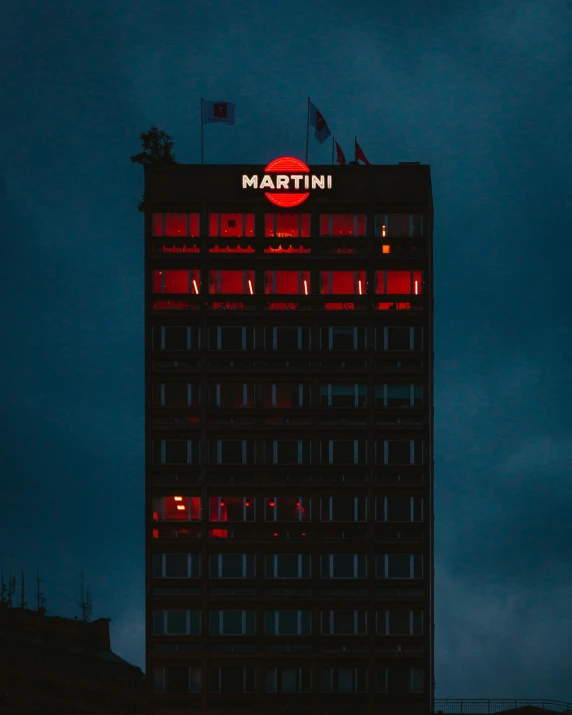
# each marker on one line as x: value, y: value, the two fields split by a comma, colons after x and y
x: 287, y: 181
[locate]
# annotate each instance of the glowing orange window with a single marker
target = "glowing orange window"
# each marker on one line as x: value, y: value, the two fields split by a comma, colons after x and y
x: 342, y: 225
x: 287, y: 225
x: 231, y: 225
x: 287, y: 282
x: 349, y: 282
x: 176, y: 281
x: 231, y: 282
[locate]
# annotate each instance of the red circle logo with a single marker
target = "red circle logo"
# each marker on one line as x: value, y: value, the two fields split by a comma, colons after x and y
x: 287, y: 165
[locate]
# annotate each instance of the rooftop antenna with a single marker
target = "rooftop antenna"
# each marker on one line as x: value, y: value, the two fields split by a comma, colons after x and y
x: 11, y: 589
x: 40, y: 599
x: 23, y: 602
x: 3, y: 589
x: 84, y: 604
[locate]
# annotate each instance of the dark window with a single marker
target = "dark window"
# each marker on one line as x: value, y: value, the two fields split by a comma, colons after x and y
x: 398, y: 338
x: 287, y: 338
x: 229, y: 337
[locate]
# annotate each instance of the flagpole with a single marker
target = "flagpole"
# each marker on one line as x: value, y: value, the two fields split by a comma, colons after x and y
x: 307, y: 128
x: 333, y: 137
x: 202, y: 132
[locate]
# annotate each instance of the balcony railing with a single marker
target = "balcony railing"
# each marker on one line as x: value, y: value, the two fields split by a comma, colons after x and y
x: 463, y: 706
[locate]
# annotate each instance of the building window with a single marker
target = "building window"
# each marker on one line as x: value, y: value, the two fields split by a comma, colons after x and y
x: 176, y: 508
x: 289, y: 452
x: 342, y: 225
x: 176, y: 224
x: 232, y: 451
x: 232, y: 565
x: 233, y: 394
x: 346, y: 338
x: 176, y: 394
x: 416, y: 678
x: 232, y: 337
x: 343, y: 565
x: 287, y: 282
x: 403, y: 566
x: 236, y: 282
x: 176, y: 451
x: 399, y: 338
x: 399, y: 508
x: 341, y: 452
x: 338, y: 395
x: 343, y: 508
x: 288, y: 566
x: 400, y: 623
x: 287, y: 508
x: 287, y: 338
x: 398, y: 225
x: 381, y: 680
x: 399, y: 282
x: 340, y: 282
x: 232, y: 623
x: 239, y: 509
x: 231, y: 225
x: 176, y: 679
x: 288, y: 623
x: 176, y: 623
x: 344, y: 623
x: 284, y: 679
x: 178, y: 281
x: 231, y: 679
x: 176, y: 565
x: 405, y: 395
x: 340, y: 679
x: 287, y: 225
x: 176, y: 337
x: 286, y: 394
x: 399, y: 452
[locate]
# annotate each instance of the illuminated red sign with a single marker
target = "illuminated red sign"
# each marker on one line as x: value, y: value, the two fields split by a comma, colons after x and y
x: 288, y: 181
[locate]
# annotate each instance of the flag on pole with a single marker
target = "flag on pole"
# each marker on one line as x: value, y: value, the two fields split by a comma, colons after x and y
x: 341, y: 159
x: 222, y: 112
x: 319, y: 123
x: 360, y: 156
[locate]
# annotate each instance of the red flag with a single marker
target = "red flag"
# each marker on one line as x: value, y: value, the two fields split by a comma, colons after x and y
x: 360, y: 156
x: 341, y: 159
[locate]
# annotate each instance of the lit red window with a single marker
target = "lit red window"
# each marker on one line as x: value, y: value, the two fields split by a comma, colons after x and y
x: 287, y: 282
x: 231, y: 508
x: 342, y: 225
x: 231, y: 225
x: 398, y: 282
x: 176, y: 281
x: 349, y: 282
x: 231, y: 282
x: 177, y: 508
x: 287, y: 225
x: 176, y: 224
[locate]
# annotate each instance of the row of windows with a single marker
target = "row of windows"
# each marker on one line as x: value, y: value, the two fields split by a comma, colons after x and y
x: 287, y: 623
x: 240, y: 225
x: 288, y: 282
x: 288, y: 394
x: 290, y: 452
x: 288, y: 338
x: 287, y: 679
x: 276, y: 566
x: 396, y: 508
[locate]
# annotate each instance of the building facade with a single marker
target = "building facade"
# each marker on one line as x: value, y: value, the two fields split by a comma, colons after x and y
x: 289, y: 437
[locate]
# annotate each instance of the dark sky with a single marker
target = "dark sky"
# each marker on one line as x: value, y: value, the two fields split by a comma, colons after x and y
x: 479, y: 90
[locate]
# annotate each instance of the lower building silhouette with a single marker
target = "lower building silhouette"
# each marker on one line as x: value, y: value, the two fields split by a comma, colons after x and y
x: 61, y: 666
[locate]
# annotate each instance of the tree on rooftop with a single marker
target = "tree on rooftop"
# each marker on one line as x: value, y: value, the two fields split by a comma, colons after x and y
x: 157, y: 149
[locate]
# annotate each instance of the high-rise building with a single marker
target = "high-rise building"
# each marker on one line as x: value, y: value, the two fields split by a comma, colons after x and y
x: 289, y: 437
